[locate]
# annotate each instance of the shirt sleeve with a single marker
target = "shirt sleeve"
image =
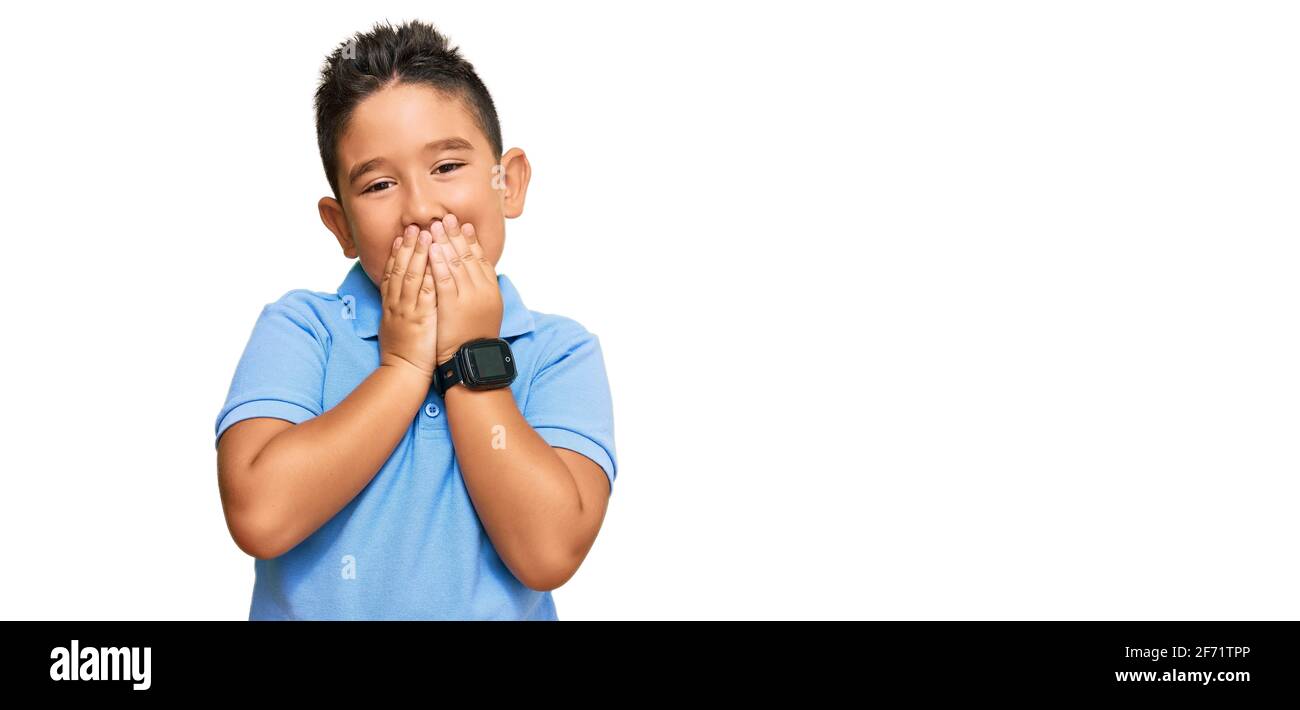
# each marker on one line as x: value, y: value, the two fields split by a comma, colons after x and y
x: 569, y: 402
x: 282, y: 371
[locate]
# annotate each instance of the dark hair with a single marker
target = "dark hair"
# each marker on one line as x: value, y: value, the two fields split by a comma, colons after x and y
x: 412, y: 53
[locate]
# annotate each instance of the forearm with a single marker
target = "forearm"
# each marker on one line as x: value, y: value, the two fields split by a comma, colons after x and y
x: 522, y: 491
x: 308, y: 473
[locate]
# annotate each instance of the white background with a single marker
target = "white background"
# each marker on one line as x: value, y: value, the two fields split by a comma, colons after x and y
x: 926, y: 310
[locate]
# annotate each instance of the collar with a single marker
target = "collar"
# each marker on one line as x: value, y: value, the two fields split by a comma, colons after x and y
x: 516, y: 319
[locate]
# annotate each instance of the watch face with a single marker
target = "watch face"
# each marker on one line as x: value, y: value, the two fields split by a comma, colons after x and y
x: 491, y: 363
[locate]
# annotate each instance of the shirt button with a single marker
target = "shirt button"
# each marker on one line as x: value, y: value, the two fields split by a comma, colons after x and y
x: 431, y: 409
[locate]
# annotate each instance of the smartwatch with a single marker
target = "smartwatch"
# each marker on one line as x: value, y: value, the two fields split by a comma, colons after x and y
x: 482, y: 364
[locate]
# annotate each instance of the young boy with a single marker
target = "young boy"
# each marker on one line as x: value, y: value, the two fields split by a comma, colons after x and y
x: 374, y: 454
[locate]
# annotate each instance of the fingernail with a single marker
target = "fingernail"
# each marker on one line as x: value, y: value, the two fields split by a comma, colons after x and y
x: 425, y: 237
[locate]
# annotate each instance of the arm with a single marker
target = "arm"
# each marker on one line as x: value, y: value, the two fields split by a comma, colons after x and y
x: 542, y: 516
x: 540, y: 507
x: 281, y: 482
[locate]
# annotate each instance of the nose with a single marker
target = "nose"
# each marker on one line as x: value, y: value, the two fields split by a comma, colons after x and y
x: 422, y: 206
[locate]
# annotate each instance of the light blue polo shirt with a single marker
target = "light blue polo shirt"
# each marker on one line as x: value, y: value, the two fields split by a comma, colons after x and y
x: 410, y: 545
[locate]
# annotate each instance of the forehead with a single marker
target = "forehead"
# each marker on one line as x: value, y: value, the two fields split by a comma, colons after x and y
x: 402, y: 118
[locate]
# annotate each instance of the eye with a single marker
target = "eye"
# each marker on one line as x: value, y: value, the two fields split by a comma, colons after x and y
x: 372, y: 187
x: 439, y: 170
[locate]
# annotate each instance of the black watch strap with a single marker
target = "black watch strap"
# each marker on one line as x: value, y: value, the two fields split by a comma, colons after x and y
x: 447, y: 374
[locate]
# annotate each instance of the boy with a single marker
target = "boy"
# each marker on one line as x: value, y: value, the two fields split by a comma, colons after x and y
x: 374, y: 454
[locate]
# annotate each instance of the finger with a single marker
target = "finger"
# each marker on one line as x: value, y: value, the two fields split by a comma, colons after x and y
x: 443, y: 282
x: 428, y: 302
x: 471, y: 238
x: 415, y: 271
x: 388, y: 267
x: 463, y: 253
x: 452, y: 259
x: 393, y: 291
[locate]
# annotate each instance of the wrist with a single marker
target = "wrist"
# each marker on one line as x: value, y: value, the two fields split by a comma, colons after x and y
x: 399, y: 364
x: 450, y: 352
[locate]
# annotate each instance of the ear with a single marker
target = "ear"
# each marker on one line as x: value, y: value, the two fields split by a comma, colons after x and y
x: 332, y: 215
x: 514, y: 173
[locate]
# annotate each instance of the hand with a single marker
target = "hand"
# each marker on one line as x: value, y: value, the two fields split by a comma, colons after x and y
x: 469, y: 298
x: 408, y: 327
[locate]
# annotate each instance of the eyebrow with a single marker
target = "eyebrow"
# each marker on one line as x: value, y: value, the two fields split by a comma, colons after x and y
x: 454, y: 143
